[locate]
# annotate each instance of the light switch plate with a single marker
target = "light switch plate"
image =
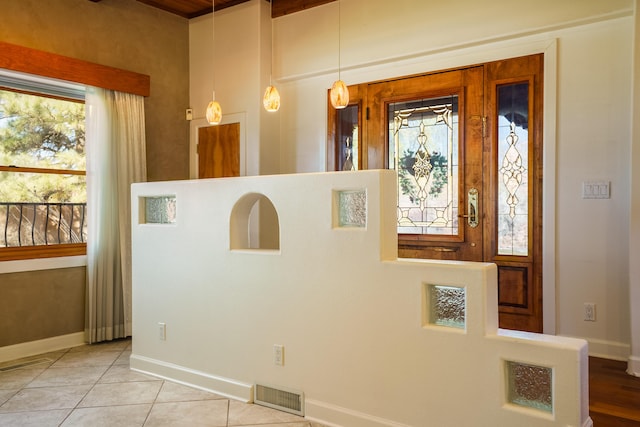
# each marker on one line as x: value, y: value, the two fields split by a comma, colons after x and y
x: 596, y: 190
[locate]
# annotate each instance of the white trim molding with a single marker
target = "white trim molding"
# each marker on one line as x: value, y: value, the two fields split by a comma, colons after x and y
x: 318, y: 411
x: 633, y: 366
x: 35, y: 264
x: 609, y: 349
x: 226, y: 387
x: 47, y: 345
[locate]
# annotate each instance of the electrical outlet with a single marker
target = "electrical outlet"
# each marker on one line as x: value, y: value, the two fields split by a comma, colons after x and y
x: 278, y: 355
x: 162, y: 331
x: 589, y: 312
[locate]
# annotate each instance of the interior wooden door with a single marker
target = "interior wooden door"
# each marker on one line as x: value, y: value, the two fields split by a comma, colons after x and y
x: 219, y: 151
x: 429, y: 129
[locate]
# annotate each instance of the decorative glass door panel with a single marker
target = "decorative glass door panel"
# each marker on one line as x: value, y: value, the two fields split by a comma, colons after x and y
x: 423, y: 149
x: 431, y: 130
x: 513, y: 169
x: 345, y: 144
x: 347, y: 137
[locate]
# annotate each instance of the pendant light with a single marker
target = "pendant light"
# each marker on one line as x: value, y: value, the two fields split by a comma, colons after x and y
x: 271, y: 98
x: 339, y: 93
x: 214, y: 111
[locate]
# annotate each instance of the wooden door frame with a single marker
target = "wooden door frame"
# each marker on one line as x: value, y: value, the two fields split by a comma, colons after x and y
x: 489, y: 52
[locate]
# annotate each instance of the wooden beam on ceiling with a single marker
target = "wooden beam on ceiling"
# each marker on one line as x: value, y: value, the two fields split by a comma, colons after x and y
x: 287, y: 7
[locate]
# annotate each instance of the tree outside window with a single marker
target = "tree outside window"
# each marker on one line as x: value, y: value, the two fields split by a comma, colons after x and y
x: 42, y: 171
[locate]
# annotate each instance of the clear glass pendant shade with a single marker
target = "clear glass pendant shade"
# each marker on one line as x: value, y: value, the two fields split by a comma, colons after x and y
x: 339, y: 95
x: 271, y: 99
x: 214, y: 113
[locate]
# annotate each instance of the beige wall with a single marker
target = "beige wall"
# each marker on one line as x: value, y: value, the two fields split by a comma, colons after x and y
x: 123, y: 34
x: 41, y: 304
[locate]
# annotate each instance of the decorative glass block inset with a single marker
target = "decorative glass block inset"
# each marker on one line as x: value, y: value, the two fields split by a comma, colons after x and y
x: 447, y: 306
x: 530, y: 386
x: 352, y: 208
x: 160, y: 210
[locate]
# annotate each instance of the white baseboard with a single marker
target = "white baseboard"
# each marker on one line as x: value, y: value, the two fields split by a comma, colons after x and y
x: 321, y: 412
x: 226, y: 387
x: 609, y: 349
x: 633, y: 366
x: 32, y: 348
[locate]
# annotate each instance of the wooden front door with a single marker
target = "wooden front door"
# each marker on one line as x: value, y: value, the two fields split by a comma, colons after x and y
x: 219, y: 151
x: 467, y: 147
x: 430, y: 129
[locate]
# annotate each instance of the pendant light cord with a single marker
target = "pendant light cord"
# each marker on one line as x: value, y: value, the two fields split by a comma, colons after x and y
x: 213, y: 48
x: 271, y: 61
x: 339, y: 36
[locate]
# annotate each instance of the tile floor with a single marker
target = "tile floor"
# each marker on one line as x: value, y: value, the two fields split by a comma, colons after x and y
x: 93, y: 386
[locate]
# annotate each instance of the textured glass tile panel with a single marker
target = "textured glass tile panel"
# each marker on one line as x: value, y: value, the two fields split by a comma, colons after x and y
x: 160, y: 210
x: 447, y: 306
x: 530, y: 386
x: 423, y: 149
x: 352, y: 208
x: 513, y: 169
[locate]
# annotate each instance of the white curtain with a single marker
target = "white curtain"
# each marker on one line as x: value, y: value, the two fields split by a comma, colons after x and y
x: 115, y: 150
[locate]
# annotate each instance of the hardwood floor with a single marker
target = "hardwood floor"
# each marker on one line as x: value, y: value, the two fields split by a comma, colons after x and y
x: 614, y: 395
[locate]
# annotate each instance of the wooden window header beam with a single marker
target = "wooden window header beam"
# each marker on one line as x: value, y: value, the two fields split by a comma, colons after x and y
x: 32, y: 61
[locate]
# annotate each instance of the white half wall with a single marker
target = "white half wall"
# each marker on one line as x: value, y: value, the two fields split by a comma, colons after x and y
x: 364, y: 337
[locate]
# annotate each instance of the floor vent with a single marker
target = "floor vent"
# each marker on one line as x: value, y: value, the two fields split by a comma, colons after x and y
x: 286, y: 400
x: 24, y: 364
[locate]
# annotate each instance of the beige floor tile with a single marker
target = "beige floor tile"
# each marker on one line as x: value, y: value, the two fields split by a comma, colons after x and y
x: 129, y: 393
x: 51, y: 418
x: 209, y: 413
x: 241, y: 414
x: 110, y: 416
x: 39, y: 361
x: 18, y: 378
x: 68, y: 376
x: 123, y: 359
x: 122, y: 373
x: 7, y: 394
x: 34, y: 399
x: 172, y: 392
x: 87, y: 358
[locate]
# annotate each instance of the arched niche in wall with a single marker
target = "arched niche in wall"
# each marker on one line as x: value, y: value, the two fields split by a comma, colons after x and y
x: 254, y: 223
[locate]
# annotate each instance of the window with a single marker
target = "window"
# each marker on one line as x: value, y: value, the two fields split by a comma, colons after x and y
x: 42, y: 168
